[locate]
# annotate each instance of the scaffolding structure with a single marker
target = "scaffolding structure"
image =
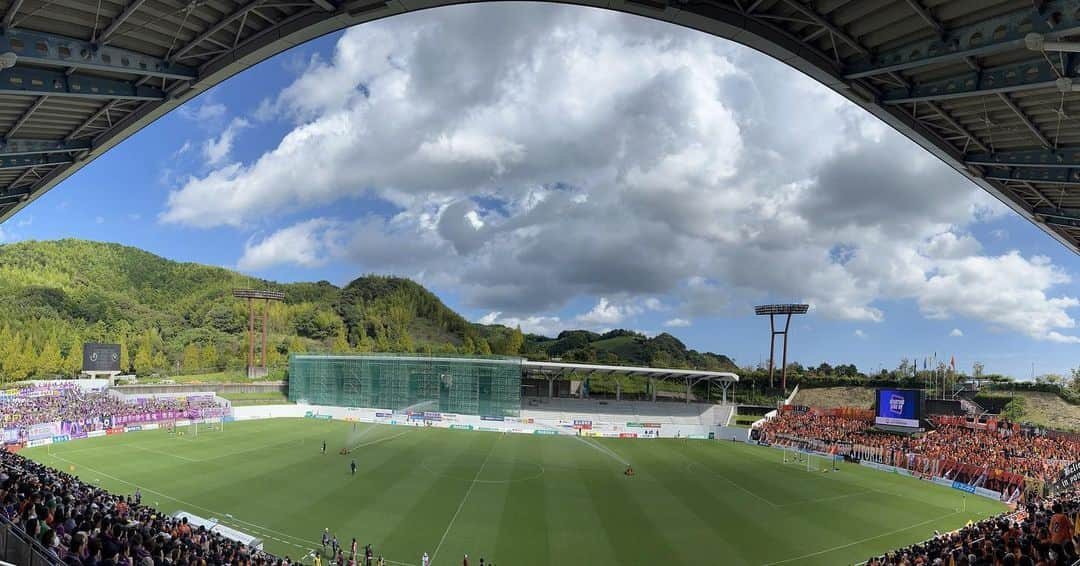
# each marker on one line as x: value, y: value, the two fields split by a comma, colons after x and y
x: 465, y: 385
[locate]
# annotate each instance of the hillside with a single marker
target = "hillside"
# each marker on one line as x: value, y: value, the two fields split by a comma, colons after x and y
x: 175, y: 317
x: 624, y: 347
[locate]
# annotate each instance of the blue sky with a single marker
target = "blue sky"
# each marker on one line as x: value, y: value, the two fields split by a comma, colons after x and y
x: 558, y: 167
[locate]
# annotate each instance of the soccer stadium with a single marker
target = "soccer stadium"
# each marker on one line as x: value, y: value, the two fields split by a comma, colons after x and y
x: 160, y: 412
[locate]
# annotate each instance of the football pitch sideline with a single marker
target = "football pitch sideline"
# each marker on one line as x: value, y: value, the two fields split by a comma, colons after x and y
x: 518, y: 499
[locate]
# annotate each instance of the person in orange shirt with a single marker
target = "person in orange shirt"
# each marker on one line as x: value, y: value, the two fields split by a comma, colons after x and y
x: 1061, y: 528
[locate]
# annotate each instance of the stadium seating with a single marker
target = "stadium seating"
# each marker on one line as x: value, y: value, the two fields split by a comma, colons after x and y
x: 77, y: 523
x: 621, y: 412
x: 1023, y: 538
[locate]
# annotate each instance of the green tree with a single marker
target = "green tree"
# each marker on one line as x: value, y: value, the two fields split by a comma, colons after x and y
x: 514, y: 341
x: 50, y: 362
x: 1014, y: 410
x: 191, y: 359
x: 484, y: 348
x: 340, y: 344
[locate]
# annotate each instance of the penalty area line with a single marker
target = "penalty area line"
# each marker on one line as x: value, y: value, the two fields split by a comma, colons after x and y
x: 860, y: 541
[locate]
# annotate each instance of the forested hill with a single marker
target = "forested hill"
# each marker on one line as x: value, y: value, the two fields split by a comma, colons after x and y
x: 181, y: 317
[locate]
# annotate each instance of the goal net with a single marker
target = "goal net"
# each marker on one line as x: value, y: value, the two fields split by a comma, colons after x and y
x: 809, y: 460
x: 204, y: 426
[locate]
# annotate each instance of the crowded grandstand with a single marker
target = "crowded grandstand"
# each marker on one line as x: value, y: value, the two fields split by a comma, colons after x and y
x: 73, y: 522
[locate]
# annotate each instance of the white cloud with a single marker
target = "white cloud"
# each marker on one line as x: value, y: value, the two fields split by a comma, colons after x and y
x: 688, y: 169
x: 607, y: 313
x: 24, y: 221
x: 549, y: 326
x: 859, y: 333
x: 217, y: 150
x: 677, y: 323
x: 203, y: 112
x: 956, y: 333
x: 303, y: 244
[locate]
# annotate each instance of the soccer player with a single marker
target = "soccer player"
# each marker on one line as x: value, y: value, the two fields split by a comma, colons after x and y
x: 352, y: 548
x: 324, y: 447
x: 334, y: 546
x: 352, y: 466
x: 424, y: 560
x: 465, y: 561
x: 326, y: 531
x: 318, y: 559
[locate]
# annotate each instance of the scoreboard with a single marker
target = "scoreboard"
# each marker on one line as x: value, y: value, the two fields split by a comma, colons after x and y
x: 101, y: 357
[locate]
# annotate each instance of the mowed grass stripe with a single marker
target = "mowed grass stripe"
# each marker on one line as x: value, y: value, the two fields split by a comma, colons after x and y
x: 538, y: 500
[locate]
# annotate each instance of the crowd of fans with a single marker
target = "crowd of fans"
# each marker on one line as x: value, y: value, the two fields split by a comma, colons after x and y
x: 1041, y: 533
x: 82, y: 525
x: 74, y: 405
x: 998, y: 458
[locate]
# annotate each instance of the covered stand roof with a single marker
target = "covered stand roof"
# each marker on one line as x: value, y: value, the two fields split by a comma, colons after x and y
x: 564, y: 367
x: 992, y: 87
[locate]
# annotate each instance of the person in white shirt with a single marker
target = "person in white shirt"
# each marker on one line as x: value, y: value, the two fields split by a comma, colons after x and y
x: 424, y: 560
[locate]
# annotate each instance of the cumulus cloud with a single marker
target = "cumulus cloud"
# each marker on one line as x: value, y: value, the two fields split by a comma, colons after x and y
x: 543, y: 325
x: 677, y: 323
x: 689, y: 169
x: 303, y: 244
x: 217, y: 150
x: 956, y: 333
x: 204, y: 112
x: 859, y: 333
x: 607, y: 313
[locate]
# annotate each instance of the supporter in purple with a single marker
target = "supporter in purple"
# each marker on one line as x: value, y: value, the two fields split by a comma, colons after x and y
x: 83, y: 525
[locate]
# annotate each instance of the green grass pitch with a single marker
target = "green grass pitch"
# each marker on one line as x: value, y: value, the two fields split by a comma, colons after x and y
x: 518, y: 499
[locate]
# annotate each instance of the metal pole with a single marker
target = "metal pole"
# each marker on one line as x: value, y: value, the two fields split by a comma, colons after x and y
x: 783, y: 371
x: 251, y: 337
x: 772, y: 345
x: 688, y: 391
x: 266, y: 321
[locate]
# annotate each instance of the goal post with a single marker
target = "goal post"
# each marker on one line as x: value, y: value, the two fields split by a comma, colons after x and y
x: 810, y: 460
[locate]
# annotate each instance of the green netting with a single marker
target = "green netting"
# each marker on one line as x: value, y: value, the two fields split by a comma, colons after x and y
x: 468, y: 386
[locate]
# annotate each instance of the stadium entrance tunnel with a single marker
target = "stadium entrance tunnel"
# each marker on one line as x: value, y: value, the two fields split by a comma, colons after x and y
x: 76, y: 81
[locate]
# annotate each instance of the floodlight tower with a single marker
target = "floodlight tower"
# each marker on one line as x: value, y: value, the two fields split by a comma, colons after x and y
x: 266, y: 296
x: 772, y: 311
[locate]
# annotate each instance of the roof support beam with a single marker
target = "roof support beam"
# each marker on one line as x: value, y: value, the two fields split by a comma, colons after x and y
x: 832, y: 28
x: 1047, y: 175
x: 26, y: 115
x: 14, y: 147
x: 9, y: 17
x: 1055, y: 19
x: 70, y: 53
x: 26, y: 81
x: 1061, y: 158
x: 1064, y: 222
x: 325, y: 5
x: 29, y: 161
x: 118, y: 21
x: 926, y: 16
x: 1024, y: 118
x: 1063, y: 213
x: 220, y: 25
x: 13, y: 198
x: 1017, y: 77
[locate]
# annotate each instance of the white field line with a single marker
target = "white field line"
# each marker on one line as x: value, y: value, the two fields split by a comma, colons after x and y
x: 475, y: 481
x: 858, y: 542
x: 222, y: 517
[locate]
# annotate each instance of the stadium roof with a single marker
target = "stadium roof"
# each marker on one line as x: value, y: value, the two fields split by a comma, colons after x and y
x: 562, y: 367
x: 963, y: 78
